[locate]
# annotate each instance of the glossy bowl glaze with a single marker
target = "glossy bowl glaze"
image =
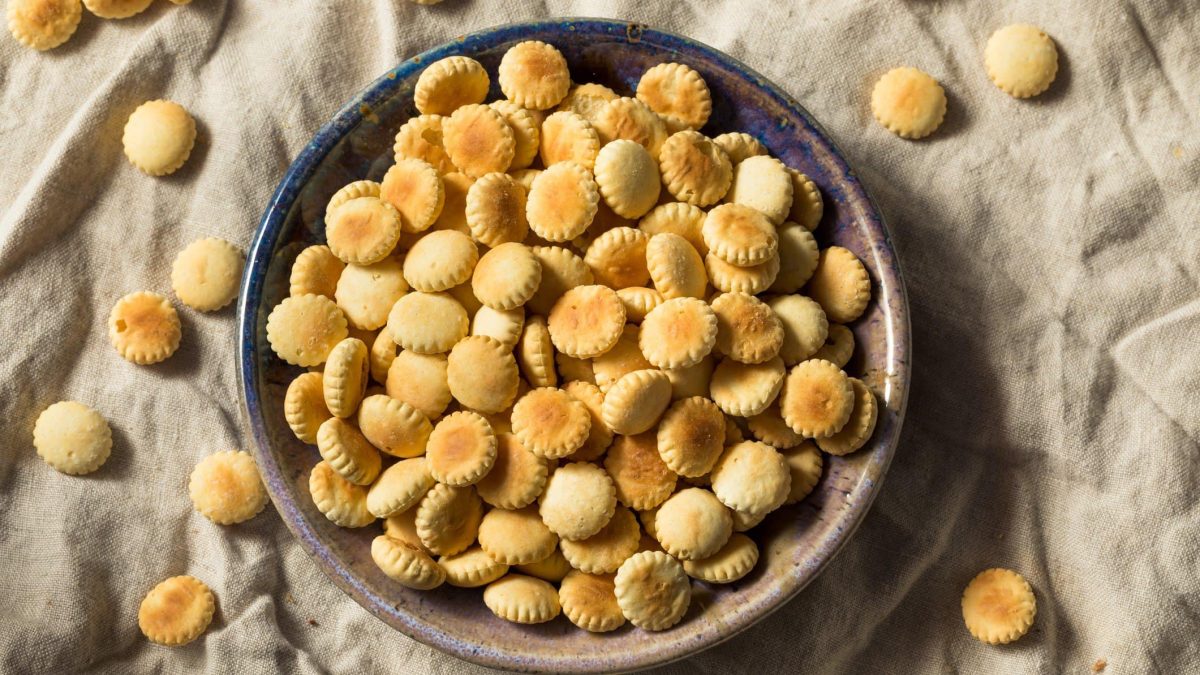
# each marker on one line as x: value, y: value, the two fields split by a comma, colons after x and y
x: 796, y: 541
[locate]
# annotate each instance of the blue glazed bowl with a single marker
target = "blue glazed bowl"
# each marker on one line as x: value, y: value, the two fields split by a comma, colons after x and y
x: 796, y: 541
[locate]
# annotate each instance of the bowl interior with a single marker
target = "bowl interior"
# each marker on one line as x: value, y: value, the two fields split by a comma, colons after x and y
x: 796, y: 541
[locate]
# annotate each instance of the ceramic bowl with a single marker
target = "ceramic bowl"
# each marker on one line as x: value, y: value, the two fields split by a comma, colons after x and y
x: 796, y: 541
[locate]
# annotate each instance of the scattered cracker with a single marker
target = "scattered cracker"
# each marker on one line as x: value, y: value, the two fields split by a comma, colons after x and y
x: 461, y: 449
x: 579, y: 500
x: 205, y: 274
x: 604, y: 551
x: 586, y: 321
x: 225, y: 488
x: 747, y: 328
x: 420, y: 381
x: 740, y: 235
x: 678, y: 333
x: 507, y: 276
x: 692, y: 524
x: 691, y: 436
x: 685, y: 220
x: 534, y: 75
x: 677, y: 93
x: 522, y: 599
x: 354, y: 190
x: 440, y: 260
x: 733, y: 279
x: 304, y: 406
x: 448, y: 518
x: 628, y: 177
x: 526, y: 133
x: 807, y: 207
x: 587, y: 100
x: 675, y: 267
x: 43, y: 24
x: 550, y: 422
x: 400, y: 487
x: 817, y: 399
x: 176, y: 611
x: 643, y: 481
x: 908, y: 103
x: 505, y: 326
x: 568, y: 137
x: 517, y: 476
x: 366, y: 293
x: 841, y: 284
x: 733, y: 561
x: 478, y: 140
x: 348, y: 452
x: 798, y: 255
x: 617, y: 258
x: 421, y: 138
x: 303, y: 329
x: 471, y: 569
x: 632, y: 120
x: 751, y: 477
x: 316, y: 271
x: 652, y: 590
x: 635, y: 402
x: 159, y: 135
x: 516, y: 537
x: 364, y: 230
x: 804, y: 326
x: 496, y: 210
x: 345, y: 377
x: 745, y: 390
x: 450, y: 83
x: 590, y: 601
x: 406, y: 564
x: 144, y: 328
x: 1021, y: 60
x: 858, y: 429
x: 562, y: 201
x: 998, y: 606
x: 416, y: 191
x: 805, y: 464
x: 763, y: 183
x: 535, y: 353
x: 342, y: 502
x: 694, y: 169
x: 72, y: 438
x: 428, y: 323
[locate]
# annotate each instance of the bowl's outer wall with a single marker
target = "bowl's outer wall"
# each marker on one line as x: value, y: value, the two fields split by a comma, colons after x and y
x: 796, y: 541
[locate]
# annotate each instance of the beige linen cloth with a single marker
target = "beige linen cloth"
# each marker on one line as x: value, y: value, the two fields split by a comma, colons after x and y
x: 1050, y: 252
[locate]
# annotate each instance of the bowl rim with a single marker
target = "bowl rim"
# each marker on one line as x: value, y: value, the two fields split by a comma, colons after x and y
x: 347, y: 118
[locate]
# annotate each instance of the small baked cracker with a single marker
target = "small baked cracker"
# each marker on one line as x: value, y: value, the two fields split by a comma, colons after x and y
x: 144, y: 328
x: 455, y: 187
x: 421, y: 138
x: 553, y: 568
x: 496, y: 210
x: 587, y: 99
x: 43, y: 24
x: 579, y: 500
x: 858, y: 429
x: 342, y: 502
x: 628, y: 177
x: 763, y: 183
x: 678, y: 218
x: 440, y: 260
x: 586, y: 321
x: 72, y: 438
x: 348, y: 452
x: 482, y: 374
x: 691, y: 381
x: 744, y: 521
x: 840, y: 284
x: 798, y: 255
x: 740, y: 235
x: 590, y: 601
x: 205, y: 275
x: 450, y: 83
x: 675, y: 267
x: 550, y: 422
x: 400, y: 487
x: 998, y: 606
x: 316, y: 271
x: 225, y: 488
x: 817, y: 399
x: 176, y: 611
x: 428, y: 323
x: 526, y: 133
x: 747, y: 328
x: 599, y: 435
x: 694, y: 169
x: 535, y: 353
x: 743, y: 389
x: 534, y: 75
x: 639, y: 301
x: 448, y: 518
x: 562, y: 201
x: 345, y: 377
x: 568, y: 137
x: 603, y: 552
x: 522, y: 599
x: 420, y: 381
x: 768, y: 426
x: 624, y: 358
x: 516, y: 537
x: 733, y: 561
x: 562, y: 270
x: 478, y: 140
x: 617, y: 258
x: 838, y: 346
x: 730, y: 278
x: 908, y: 103
x: 303, y: 329
x: 804, y: 326
x: 416, y: 191
x: 507, y: 276
x: 505, y: 326
x: 678, y: 333
x: 632, y: 120
x: 739, y: 146
x: 677, y: 93
x: 641, y: 478
x: 402, y: 526
x: 354, y: 190
x: 691, y: 436
x: 635, y: 402
x: 158, y: 136
x: 304, y: 406
x: 363, y: 230
x: 652, y: 590
x: 471, y: 569
x: 366, y: 293
x: 517, y: 476
x: 406, y: 563
x: 692, y: 524
x: 807, y: 207
x: 1021, y: 60
x: 571, y: 369
x: 805, y: 464
x: 751, y: 477
x: 461, y: 449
